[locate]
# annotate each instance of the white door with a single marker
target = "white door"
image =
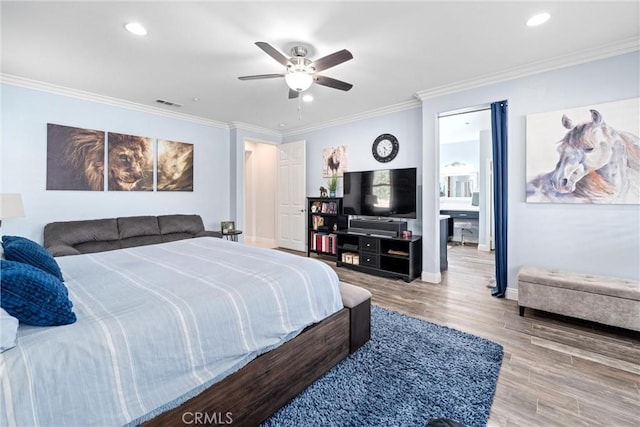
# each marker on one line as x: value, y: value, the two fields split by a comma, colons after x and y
x: 292, y: 196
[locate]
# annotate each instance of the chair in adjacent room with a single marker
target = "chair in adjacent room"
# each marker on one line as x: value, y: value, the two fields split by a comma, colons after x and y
x: 462, y: 226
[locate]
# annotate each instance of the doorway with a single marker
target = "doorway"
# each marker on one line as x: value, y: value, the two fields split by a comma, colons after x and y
x: 260, y: 171
x: 466, y: 181
x: 275, y: 194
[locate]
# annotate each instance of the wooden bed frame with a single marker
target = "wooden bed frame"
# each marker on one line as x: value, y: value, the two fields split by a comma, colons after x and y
x: 259, y: 389
x: 256, y: 391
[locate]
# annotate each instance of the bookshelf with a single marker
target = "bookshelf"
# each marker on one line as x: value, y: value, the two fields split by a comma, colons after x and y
x: 324, y: 219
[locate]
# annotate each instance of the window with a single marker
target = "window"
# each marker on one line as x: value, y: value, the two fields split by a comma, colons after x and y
x: 381, y: 188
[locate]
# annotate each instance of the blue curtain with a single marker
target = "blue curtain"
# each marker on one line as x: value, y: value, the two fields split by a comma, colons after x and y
x: 499, y: 139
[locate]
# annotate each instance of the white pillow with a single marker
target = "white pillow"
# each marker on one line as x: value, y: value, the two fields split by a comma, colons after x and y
x: 8, y: 330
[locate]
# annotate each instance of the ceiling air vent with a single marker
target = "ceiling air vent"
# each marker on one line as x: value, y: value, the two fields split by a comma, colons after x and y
x: 169, y: 103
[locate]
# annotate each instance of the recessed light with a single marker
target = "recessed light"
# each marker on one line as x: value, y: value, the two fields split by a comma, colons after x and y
x: 282, y: 125
x: 538, y: 19
x: 307, y: 98
x: 136, y: 28
x: 195, y: 99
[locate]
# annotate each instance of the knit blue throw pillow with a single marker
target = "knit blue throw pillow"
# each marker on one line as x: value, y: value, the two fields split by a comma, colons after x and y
x: 33, y: 296
x: 27, y: 251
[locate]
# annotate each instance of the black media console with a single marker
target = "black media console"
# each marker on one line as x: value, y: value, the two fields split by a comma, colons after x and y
x: 372, y: 247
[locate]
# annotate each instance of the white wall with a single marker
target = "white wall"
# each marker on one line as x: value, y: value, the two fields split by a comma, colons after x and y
x: 25, y: 114
x: 464, y: 152
x: 261, y: 166
x: 596, y: 239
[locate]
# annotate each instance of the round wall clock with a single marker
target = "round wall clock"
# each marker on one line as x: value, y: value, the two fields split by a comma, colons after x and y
x: 385, y: 148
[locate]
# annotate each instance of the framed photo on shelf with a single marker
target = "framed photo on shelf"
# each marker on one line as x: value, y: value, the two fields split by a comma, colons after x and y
x: 227, y: 226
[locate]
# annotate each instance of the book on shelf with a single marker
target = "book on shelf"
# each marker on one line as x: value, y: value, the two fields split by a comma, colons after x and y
x: 329, y: 207
x: 317, y: 221
x: 323, y: 242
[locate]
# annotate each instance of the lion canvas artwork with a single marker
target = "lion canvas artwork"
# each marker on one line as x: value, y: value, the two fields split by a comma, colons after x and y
x: 585, y: 155
x: 130, y: 166
x: 175, y: 166
x: 75, y: 158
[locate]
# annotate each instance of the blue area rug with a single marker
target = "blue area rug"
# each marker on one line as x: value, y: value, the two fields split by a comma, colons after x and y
x: 409, y: 372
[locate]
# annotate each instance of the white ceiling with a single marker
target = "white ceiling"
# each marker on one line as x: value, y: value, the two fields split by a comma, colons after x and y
x: 198, y: 49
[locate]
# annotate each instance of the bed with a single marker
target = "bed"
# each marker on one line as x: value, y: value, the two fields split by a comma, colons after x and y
x: 172, y: 333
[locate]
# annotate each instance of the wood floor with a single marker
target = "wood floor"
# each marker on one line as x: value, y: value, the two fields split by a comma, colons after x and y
x: 556, y: 371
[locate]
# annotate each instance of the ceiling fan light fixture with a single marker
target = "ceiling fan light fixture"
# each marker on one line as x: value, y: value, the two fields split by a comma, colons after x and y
x: 299, y: 80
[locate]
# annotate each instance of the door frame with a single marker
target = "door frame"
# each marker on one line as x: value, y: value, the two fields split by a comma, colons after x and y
x: 242, y: 206
x: 488, y: 211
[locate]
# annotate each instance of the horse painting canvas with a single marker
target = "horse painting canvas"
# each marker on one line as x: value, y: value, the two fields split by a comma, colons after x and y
x: 334, y: 161
x: 585, y: 155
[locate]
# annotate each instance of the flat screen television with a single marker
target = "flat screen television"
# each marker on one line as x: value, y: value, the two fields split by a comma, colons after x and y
x: 380, y: 193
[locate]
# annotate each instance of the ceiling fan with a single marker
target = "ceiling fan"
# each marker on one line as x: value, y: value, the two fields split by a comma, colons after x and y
x: 301, y: 71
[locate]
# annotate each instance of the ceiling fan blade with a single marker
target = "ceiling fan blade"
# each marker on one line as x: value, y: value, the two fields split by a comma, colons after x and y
x: 260, y: 76
x: 273, y: 52
x: 293, y: 94
x: 332, y: 83
x: 332, y: 60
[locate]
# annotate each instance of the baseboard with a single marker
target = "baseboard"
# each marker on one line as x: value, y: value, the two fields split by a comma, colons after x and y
x: 484, y: 248
x: 512, y: 294
x: 431, y: 277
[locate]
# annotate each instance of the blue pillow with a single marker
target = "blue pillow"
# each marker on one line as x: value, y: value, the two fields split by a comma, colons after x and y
x: 33, y: 296
x: 27, y: 251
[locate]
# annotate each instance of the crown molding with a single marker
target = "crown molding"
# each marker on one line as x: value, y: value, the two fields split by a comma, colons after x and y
x: 254, y: 128
x: 93, y: 97
x: 403, y: 106
x: 613, y: 49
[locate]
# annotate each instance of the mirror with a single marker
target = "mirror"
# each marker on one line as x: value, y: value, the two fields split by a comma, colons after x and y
x: 458, y: 185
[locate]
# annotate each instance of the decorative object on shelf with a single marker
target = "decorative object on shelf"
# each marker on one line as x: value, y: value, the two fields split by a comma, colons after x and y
x: 385, y: 148
x: 332, y: 184
x: 334, y: 161
x: 227, y: 226
x: 405, y: 234
x: 323, y: 192
x: 584, y: 155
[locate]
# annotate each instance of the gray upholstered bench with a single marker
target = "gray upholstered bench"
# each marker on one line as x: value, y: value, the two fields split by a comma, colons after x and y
x: 609, y: 300
x: 358, y: 301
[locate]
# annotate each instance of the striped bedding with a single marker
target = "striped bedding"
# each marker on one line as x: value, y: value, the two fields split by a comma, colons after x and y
x: 156, y: 325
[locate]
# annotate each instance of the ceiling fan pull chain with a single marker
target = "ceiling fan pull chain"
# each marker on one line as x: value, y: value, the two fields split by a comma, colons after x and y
x: 299, y: 108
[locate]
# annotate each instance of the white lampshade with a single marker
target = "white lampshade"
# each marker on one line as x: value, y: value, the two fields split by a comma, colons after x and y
x: 299, y: 81
x: 11, y: 206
